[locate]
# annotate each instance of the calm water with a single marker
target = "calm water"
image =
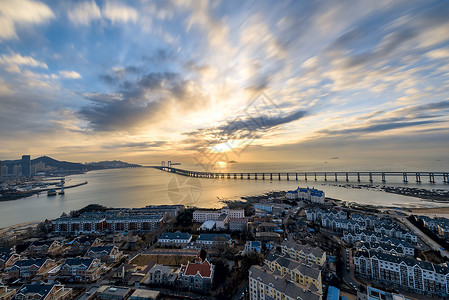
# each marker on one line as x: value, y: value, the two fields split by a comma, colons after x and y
x: 146, y: 186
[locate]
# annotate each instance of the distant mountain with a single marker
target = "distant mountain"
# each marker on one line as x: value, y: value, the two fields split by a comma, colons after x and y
x: 71, y: 166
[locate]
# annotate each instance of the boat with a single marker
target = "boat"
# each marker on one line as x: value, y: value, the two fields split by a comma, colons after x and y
x: 51, y: 192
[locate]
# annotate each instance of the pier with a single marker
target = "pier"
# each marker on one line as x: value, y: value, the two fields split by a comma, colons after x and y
x: 346, y: 176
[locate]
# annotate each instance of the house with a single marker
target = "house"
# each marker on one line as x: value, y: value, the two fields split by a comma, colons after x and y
x: 105, y: 253
x: 81, y: 269
x: 238, y: 224
x: 253, y: 246
x: 43, y: 291
x: 161, y: 275
x: 43, y: 248
x: 213, y: 240
x: 264, y: 284
x: 7, y: 258
x: 29, y: 268
x: 197, y: 276
x: 81, y: 244
x: 6, y: 293
x: 174, y: 238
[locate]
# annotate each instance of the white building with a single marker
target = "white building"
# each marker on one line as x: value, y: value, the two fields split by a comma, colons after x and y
x: 174, y: 238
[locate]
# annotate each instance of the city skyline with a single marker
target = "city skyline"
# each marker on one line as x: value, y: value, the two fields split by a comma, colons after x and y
x: 151, y: 80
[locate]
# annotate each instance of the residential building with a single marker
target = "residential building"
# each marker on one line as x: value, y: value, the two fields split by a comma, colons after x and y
x: 304, y: 252
x: 43, y: 291
x: 174, y: 238
x: 208, y: 225
x: 387, y: 247
x: 404, y: 272
x: 297, y: 271
x: 26, y: 165
x: 264, y: 284
x: 7, y: 258
x: 264, y: 207
x: 238, y: 224
x: 377, y: 294
x: 43, y: 248
x: 316, y: 215
x: 134, y: 223
x: 89, y: 225
x: 206, y: 215
x: 197, y: 275
x: 80, y: 245
x: 161, y: 275
x: 105, y: 253
x: 6, y: 293
x: 29, y: 268
x: 233, y: 213
x: 213, y: 240
x: 253, y: 246
x: 81, y: 269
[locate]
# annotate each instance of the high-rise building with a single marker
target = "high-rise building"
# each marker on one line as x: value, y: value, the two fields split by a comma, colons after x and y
x: 26, y: 165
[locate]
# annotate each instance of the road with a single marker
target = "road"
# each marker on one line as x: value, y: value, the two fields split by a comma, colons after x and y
x: 427, y: 240
x: 241, y: 290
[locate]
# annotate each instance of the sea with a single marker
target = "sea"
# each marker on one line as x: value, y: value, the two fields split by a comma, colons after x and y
x: 139, y: 187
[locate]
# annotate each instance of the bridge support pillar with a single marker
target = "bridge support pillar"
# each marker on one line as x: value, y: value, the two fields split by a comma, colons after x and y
x: 358, y: 177
x: 383, y: 178
x: 305, y: 176
x: 235, y: 176
x: 255, y: 176
x: 347, y: 177
x: 263, y: 176
x: 370, y: 177
x: 404, y: 177
x: 325, y: 176
x: 271, y: 176
x: 445, y: 177
x: 418, y: 177
x: 229, y: 175
x: 431, y: 177
x: 296, y: 176
x: 315, y: 176
x: 241, y: 175
x: 279, y: 176
x: 288, y: 177
x: 336, y: 177
x: 249, y: 176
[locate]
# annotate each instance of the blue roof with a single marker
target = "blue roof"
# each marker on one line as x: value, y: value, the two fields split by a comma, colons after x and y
x: 175, y: 235
x: 41, y: 289
x: 213, y: 237
x: 79, y: 261
x: 333, y: 293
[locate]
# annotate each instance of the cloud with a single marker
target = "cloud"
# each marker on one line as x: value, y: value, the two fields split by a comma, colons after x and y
x: 252, y: 126
x: 14, y: 61
x: 378, y: 127
x: 21, y: 12
x: 69, y: 74
x: 118, y: 12
x: 136, y: 145
x: 85, y: 12
x: 137, y: 104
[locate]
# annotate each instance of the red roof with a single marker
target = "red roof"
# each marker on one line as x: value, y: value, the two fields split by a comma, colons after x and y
x: 204, y: 269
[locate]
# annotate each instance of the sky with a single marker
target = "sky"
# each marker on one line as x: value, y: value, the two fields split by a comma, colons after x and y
x: 144, y: 81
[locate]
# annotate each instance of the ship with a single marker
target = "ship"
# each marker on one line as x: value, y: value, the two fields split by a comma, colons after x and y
x: 51, y: 192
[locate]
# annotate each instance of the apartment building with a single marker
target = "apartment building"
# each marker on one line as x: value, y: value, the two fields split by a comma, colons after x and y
x: 197, y: 275
x: 238, y: 224
x: 297, y: 271
x: 404, y: 272
x: 304, y: 252
x: 264, y: 284
x: 207, y: 215
x: 388, y: 248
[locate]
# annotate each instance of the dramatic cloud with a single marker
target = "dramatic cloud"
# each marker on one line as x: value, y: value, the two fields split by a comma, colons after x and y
x: 13, y: 62
x: 85, y: 12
